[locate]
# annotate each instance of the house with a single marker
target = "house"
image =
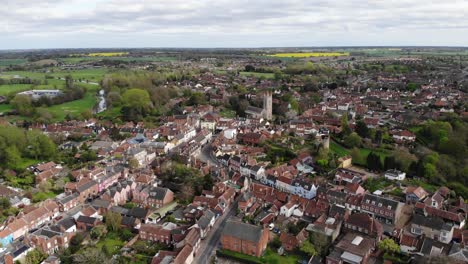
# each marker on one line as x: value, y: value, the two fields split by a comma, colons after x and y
x: 404, y: 135
x: 290, y: 242
x: 157, y: 233
x: 364, y: 224
x: 68, y: 202
x: 348, y: 176
x: 394, y: 175
x: 288, y: 209
x: 244, y: 238
x: 86, y: 223
x: 50, y: 241
x: 206, y: 222
x: 185, y: 256
x: 432, y: 227
x: 156, y: 197
x: 352, y: 248
x: 325, y: 226
x: 415, y: 194
x: 384, y: 209
x: 252, y: 138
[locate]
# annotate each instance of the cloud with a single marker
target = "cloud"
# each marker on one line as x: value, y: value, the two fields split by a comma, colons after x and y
x: 131, y: 23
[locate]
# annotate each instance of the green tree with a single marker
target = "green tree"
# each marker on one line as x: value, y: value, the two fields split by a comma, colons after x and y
x: 352, y: 140
x: 35, y: 257
x: 345, y: 130
x: 12, y: 157
x: 23, y: 104
x: 362, y: 129
x: 133, y: 163
x: 91, y: 256
x: 98, y: 231
x: 373, y: 162
x: 308, y: 248
x: 388, y: 245
x: 113, y: 221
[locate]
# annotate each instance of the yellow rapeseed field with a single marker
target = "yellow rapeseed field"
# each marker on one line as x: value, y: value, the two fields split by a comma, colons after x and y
x: 107, y: 54
x: 309, y: 54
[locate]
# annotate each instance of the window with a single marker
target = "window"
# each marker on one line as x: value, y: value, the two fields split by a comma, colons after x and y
x: 373, y: 202
x: 389, y: 207
x: 380, y: 204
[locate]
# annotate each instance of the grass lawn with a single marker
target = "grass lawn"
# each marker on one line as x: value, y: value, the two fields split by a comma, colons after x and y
x: 111, y: 113
x: 10, y: 88
x: 5, y: 107
x: 258, y: 74
x: 272, y: 257
x: 338, y: 149
x: 74, y: 107
x: 227, y: 113
x: 112, y: 244
x: 25, y: 162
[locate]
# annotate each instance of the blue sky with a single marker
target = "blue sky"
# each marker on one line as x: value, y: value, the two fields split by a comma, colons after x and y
x: 26, y: 24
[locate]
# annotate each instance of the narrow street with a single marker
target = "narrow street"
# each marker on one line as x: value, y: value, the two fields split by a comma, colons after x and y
x: 210, y: 243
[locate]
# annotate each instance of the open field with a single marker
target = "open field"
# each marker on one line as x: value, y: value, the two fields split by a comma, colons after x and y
x: 8, y: 62
x: 107, y: 54
x: 309, y: 54
x: 127, y: 59
x: 74, y: 107
x: 13, y: 88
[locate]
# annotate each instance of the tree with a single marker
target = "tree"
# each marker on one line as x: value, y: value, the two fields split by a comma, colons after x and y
x: 356, y: 155
x: 98, y: 231
x: 12, y: 157
x: 35, y: 257
x: 133, y: 163
x: 390, y: 163
x: 87, y: 114
x: 362, y: 129
x: 352, y: 140
x: 91, y: 256
x: 308, y: 248
x: 373, y: 162
x: 136, y: 104
x: 113, y: 221
x: 23, y: 104
x: 75, y: 242
x: 345, y: 130
x: 388, y: 245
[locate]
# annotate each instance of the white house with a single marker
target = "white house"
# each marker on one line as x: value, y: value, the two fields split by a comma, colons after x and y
x: 288, y: 209
x: 395, y: 175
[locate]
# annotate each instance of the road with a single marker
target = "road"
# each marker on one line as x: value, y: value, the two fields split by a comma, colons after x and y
x: 207, y: 155
x: 210, y: 243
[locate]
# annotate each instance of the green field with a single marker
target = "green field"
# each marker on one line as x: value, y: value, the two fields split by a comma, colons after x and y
x: 8, y: 62
x: 13, y: 88
x: 74, y: 107
x: 138, y: 59
x: 341, y: 151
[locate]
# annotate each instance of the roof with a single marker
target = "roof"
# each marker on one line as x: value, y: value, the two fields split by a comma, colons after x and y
x: 432, y: 222
x: 86, y: 219
x: 380, y: 200
x: 158, y: 193
x: 242, y: 231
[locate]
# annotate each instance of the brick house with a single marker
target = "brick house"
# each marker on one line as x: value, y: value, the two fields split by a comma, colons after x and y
x: 252, y: 138
x: 156, y: 197
x: 364, y: 224
x: 68, y: 202
x: 86, y: 223
x: 352, y: 248
x: 157, y: 233
x: 50, y: 241
x: 384, y: 209
x: 244, y: 238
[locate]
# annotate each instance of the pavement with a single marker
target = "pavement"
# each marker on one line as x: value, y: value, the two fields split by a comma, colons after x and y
x: 206, y: 155
x: 210, y: 243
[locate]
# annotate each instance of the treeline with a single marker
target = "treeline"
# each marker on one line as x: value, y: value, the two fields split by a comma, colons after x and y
x: 141, y: 94
x: 20, y: 81
x: 16, y: 144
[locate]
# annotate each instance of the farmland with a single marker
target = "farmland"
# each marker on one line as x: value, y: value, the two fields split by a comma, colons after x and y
x: 309, y: 54
x: 107, y: 54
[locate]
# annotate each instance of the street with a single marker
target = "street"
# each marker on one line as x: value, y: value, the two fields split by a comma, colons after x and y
x: 207, y: 155
x: 211, y: 241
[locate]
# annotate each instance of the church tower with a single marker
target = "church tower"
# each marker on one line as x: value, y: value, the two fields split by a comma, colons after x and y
x: 268, y: 105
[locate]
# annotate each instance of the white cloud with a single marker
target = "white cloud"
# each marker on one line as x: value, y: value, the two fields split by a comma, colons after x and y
x: 130, y: 23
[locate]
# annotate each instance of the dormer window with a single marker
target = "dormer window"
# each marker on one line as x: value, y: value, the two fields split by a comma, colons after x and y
x: 373, y: 202
x: 380, y: 204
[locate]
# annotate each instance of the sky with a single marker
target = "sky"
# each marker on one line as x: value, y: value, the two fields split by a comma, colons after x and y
x: 35, y: 24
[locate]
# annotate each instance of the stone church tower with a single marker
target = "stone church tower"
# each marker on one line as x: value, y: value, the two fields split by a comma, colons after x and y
x: 268, y: 105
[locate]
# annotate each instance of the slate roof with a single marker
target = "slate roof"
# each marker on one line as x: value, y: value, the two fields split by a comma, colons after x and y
x: 242, y: 231
x: 384, y: 201
x: 432, y: 222
x: 86, y: 219
x: 158, y: 193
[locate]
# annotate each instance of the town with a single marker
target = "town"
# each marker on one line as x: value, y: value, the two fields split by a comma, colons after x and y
x: 234, y: 156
